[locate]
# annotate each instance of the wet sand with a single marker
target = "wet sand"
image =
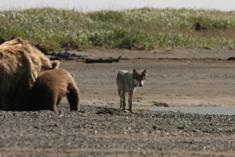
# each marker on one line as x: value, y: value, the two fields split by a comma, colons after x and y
x: 182, y: 77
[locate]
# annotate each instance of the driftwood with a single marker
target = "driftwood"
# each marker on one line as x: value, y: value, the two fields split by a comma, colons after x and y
x: 231, y: 59
x: 73, y: 56
x: 66, y: 56
x: 102, y: 60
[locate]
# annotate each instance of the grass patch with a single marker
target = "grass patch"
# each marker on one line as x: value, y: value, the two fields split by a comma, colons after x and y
x: 52, y: 29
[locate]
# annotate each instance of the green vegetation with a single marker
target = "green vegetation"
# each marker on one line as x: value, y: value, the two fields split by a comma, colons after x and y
x: 145, y: 28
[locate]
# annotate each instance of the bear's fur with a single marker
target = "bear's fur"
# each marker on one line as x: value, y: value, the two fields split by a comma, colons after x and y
x: 20, y: 63
x: 50, y: 87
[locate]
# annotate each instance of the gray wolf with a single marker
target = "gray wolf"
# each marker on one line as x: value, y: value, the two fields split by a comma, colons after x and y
x: 126, y: 83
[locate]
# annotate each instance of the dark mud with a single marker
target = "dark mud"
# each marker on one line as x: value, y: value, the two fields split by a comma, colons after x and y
x: 101, y: 131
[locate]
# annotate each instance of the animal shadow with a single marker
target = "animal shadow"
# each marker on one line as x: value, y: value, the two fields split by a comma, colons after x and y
x: 110, y: 111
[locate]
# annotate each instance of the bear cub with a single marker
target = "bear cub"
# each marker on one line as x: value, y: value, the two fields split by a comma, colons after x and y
x: 50, y: 87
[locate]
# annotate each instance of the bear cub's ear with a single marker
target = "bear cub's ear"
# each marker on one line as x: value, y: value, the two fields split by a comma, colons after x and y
x: 55, y: 64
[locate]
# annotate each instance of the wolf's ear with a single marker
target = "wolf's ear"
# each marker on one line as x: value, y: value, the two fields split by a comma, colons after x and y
x: 55, y: 64
x: 145, y: 71
x: 134, y: 71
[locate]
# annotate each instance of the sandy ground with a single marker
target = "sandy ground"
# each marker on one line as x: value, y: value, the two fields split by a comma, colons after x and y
x: 176, y: 77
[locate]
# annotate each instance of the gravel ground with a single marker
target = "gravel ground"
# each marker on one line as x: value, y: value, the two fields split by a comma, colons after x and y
x: 102, y: 131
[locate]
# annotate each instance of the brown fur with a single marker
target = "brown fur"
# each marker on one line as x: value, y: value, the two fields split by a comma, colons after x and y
x: 50, y: 87
x: 20, y: 63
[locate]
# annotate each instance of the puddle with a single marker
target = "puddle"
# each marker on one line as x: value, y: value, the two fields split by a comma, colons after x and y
x: 200, y: 110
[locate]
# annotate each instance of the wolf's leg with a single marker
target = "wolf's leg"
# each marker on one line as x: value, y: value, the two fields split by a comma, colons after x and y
x: 123, y: 100
x: 120, y: 95
x: 130, y: 100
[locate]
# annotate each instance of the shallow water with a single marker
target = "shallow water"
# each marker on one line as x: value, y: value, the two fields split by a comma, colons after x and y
x: 92, y: 5
x: 200, y: 110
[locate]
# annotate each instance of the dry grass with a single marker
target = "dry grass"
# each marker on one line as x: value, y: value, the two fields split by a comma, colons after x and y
x: 146, y: 28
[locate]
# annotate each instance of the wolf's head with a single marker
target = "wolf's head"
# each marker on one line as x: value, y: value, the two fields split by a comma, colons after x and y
x: 139, y: 78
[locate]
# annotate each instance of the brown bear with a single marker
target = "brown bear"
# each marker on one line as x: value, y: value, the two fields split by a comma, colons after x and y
x: 50, y: 87
x: 20, y: 64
